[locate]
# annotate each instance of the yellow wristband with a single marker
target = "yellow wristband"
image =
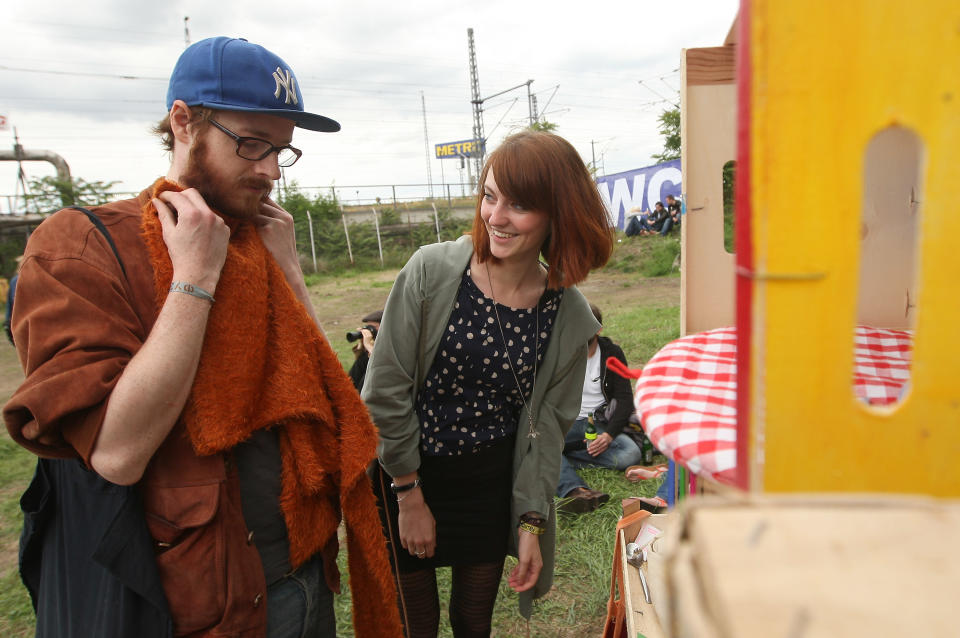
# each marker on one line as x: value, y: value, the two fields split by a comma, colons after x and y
x: 532, y: 529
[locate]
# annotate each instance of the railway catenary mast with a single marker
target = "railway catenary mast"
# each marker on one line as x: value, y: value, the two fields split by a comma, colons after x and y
x: 477, y: 108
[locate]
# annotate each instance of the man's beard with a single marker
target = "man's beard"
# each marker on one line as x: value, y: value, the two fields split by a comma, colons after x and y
x: 230, y: 199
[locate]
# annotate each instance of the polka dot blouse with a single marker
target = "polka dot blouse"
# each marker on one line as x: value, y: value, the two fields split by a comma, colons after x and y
x: 470, y: 397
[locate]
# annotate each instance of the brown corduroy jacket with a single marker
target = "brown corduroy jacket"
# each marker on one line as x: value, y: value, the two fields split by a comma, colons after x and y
x: 78, y: 321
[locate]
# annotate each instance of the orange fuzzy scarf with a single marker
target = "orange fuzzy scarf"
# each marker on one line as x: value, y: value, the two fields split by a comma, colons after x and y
x: 265, y: 364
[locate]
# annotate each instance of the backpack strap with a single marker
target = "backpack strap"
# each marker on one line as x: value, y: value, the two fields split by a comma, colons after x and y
x: 103, y: 230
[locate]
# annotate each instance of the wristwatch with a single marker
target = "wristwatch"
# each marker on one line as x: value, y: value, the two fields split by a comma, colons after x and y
x: 396, y: 489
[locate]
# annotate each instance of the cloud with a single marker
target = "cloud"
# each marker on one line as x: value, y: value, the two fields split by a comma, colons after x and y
x: 88, y: 80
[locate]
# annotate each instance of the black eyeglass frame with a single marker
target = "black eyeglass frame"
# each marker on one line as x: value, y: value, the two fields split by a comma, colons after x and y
x: 241, y: 140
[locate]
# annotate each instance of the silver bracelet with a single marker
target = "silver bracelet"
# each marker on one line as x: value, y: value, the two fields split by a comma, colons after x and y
x: 190, y: 289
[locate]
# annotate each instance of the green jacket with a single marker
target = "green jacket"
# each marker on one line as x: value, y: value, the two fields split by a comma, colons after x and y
x: 414, y: 319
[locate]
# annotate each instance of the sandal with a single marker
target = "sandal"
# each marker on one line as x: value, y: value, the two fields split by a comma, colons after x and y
x: 638, y: 473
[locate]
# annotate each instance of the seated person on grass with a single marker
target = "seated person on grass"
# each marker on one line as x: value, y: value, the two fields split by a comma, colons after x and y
x: 609, y: 396
x: 659, y: 221
x: 635, y: 220
x: 673, y: 207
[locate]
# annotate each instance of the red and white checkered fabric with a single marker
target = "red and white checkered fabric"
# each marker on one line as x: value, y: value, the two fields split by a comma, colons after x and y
x: 686, y: 395
x: 883, y: 364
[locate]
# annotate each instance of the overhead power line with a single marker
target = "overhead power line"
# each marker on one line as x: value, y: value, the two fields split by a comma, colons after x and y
x: 83, y: 74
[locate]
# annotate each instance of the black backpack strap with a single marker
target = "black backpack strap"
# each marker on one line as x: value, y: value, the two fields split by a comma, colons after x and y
x: 103, y: 230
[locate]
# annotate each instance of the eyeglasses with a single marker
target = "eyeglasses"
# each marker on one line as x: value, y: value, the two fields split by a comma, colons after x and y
x: 255, y: 149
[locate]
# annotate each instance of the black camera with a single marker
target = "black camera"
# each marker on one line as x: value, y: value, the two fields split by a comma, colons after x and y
x: 353, y: 335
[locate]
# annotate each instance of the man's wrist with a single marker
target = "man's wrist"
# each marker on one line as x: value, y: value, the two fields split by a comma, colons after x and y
x: 187, y: 288
x: 205, y: 281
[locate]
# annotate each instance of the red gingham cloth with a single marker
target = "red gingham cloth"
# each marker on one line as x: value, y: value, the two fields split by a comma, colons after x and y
x: 686, y: 394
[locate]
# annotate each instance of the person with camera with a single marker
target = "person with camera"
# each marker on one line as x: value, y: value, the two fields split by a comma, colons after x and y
x: 363, y: 339
x: 609, y: 399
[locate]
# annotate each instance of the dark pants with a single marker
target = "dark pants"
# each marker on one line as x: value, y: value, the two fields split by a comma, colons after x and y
x: 301, y: 604
x: 635, y: 225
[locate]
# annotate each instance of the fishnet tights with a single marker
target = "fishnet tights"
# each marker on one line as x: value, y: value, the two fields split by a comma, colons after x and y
x: 473, y: 593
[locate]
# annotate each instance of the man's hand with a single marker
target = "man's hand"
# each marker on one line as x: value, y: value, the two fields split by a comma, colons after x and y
x: 196, y: 237
x: 599, y: 445
x: 367, y: 340
x: 276, y: 229
x: 150, y: 394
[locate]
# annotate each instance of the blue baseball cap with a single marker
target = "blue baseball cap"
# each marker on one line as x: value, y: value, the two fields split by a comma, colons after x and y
x: 232, y: 74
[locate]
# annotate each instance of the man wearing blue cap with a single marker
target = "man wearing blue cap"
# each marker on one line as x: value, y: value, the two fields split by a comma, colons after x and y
x: 200, y: 442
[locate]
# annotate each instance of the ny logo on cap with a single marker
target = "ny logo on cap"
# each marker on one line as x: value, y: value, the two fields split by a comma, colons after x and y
x: 288, y: 83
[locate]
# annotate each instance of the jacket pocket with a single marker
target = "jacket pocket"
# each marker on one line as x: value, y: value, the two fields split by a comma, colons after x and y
x: 189, y: 544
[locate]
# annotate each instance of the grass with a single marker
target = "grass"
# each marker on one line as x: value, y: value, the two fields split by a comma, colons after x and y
x: 16, y: 468
x: 576, y: 605
x: 640, y: 313
x: 641, y: 332
x: 648, y: 255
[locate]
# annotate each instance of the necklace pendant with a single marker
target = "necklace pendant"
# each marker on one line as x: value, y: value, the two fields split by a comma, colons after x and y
x: 532, y: 434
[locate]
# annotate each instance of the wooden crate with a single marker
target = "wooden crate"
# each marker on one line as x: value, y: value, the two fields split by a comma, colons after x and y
x: 814, y: 567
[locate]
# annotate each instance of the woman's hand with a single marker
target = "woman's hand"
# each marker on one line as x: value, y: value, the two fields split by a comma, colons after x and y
x: 418, y: 529
x: 530, y: 562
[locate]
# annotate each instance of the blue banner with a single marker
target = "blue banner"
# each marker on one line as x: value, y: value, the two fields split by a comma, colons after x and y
x: 640, y: 188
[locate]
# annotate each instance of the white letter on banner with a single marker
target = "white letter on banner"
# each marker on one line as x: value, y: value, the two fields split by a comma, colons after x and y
x: 602, y: 188
x: 664, y: 175
x: 605, y: 196
x: 623, y: 198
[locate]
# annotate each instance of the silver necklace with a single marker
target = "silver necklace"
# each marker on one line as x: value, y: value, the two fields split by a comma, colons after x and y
x: 532, y: 434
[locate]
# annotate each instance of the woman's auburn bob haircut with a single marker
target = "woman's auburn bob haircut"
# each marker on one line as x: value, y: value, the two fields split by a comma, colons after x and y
x: 543, y: 172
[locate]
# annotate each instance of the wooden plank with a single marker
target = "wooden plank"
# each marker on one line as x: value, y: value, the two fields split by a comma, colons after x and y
x: 733, y: 35
x: 711, y: 65
x: 687, y: 616
x: 834, y: 567
x: 708, y: 121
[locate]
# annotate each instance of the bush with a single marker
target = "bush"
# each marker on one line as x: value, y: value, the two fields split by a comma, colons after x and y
x: 399, y: 241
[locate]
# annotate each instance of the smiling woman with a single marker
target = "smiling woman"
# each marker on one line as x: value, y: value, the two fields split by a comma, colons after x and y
x: 543, y: 172
x: 515, y: 232
x: 501, y: 336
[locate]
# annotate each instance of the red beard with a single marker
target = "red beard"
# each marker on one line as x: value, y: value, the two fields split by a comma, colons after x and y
x: 240, y: 198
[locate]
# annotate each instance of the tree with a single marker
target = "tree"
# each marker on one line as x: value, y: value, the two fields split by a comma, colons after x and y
x: 670, y: 130
x: 543, y: 125
x: 48, y: 194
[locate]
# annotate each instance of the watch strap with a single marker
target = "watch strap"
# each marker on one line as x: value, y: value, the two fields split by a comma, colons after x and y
x: 406, y: 487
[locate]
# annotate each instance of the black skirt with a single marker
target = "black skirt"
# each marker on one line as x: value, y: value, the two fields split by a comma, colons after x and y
x: 469, y: 497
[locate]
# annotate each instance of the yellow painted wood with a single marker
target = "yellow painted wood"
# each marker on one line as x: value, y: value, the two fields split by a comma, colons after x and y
x: 826, y: 77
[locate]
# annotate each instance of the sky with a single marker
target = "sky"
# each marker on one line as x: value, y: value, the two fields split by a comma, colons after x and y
x: 88, y: 80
